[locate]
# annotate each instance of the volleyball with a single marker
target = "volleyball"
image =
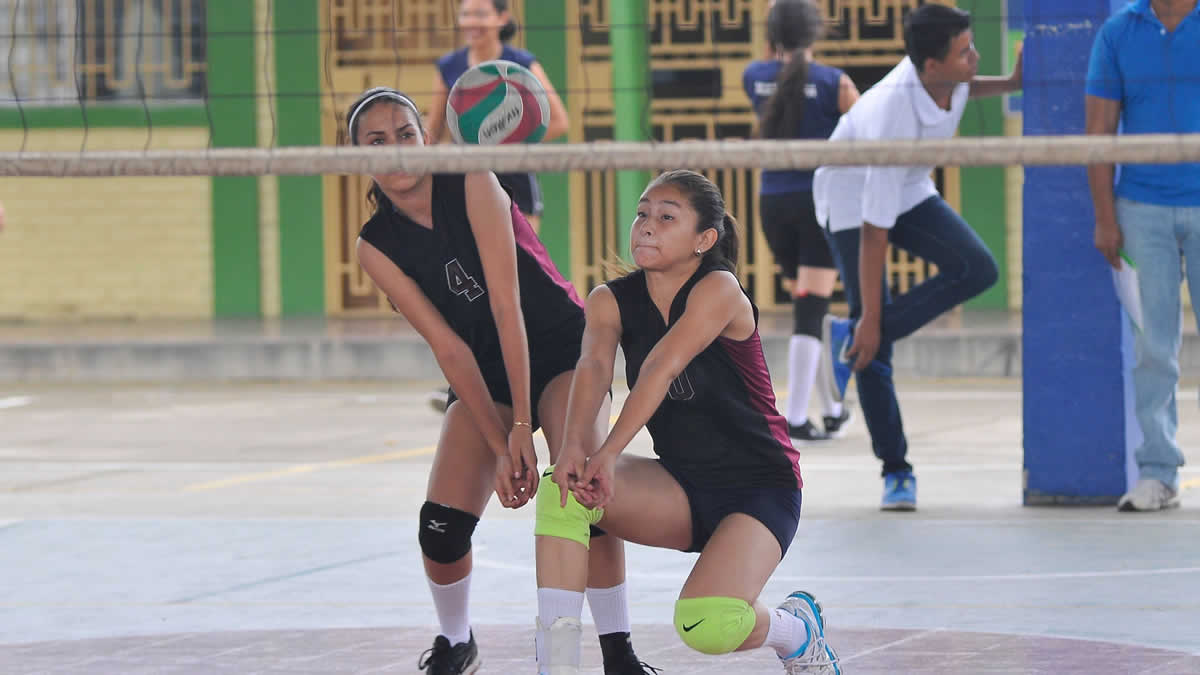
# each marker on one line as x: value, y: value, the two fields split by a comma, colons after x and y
x: 497, y: 102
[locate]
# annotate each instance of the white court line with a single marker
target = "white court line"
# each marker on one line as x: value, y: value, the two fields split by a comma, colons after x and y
x: 893, y: 643
x: 1034, y: 576
x: 15, y: 401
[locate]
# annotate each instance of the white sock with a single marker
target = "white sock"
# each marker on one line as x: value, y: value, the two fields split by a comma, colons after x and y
x: 829, y: 407
x: 451, y: 602
x: 787, y: 633
x: 552, y: 604
x: 804, y: 353
x: 610, y: 609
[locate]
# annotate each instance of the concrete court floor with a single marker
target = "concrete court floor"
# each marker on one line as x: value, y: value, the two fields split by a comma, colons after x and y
x: 270, y: 529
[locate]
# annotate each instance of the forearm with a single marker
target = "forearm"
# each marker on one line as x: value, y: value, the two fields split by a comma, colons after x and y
x: 993, y: 85
x: 589, y: 386
x: 1100, y: 180
x: 463, y: 374
x: 873, y: 244
x: 514, y: 346
x: 653, y: 382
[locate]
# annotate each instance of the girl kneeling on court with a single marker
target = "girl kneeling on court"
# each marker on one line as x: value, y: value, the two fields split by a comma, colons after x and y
x: 726, y: 481
x: 456, y: 257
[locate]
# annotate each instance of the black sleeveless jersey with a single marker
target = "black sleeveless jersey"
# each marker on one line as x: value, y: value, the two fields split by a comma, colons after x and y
x: 444, y: 261
x: 718, y: 424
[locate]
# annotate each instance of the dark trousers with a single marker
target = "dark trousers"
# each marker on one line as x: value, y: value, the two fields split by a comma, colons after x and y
x: 965, y: 268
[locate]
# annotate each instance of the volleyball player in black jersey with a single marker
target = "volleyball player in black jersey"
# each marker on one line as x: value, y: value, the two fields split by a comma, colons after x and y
x: 726, y: 481
x: 455, y: 256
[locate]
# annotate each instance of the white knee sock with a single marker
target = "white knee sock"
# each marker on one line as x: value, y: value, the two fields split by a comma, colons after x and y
x: 787, y: 634
x: 555, y: 603
x: 451, y: 602
x: 829, y: 407
x: 610, y: 609
x: 804, y: 353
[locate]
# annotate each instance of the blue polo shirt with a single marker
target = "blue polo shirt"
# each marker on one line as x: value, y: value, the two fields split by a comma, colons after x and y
x: 1156, y: 77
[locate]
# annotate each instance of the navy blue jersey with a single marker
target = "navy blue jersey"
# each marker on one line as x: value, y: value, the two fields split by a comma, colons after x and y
x: 526, y: 190
x: 821, y: 113
x: 444, y: 261
x: 718, y: 424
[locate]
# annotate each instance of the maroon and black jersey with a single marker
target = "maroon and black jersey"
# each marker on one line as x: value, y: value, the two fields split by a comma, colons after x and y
x: 718, y: 424
x: 444, y: 261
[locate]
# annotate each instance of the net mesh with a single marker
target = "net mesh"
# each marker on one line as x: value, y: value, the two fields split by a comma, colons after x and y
x: 204, y: 88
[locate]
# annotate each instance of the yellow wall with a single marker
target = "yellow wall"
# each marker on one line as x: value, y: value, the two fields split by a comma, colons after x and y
x: 1014, y: 190
x: 106, y: 247
x: 268, y: 186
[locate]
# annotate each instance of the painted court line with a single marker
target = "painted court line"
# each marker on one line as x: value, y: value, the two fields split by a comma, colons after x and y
x: 810, y: 578
x: 308, y: 468
x: 893, y: 643
x: 15, y: 401
x: 298, y: 469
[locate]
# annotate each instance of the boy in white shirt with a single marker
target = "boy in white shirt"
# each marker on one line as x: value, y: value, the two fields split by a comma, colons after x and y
x: 865, y: 208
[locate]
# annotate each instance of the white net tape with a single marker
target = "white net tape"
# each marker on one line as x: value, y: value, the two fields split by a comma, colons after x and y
x: 993, y: 151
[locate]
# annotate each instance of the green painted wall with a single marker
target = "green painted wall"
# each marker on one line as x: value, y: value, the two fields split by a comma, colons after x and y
x: 103, y: 115
x: 298, y: 121
x: 983, y: 200
x: 545, y: 37
x: 631, y: 103
x: 231, y: 105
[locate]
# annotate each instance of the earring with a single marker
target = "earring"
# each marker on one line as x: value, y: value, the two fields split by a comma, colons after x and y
x: 698, y: 252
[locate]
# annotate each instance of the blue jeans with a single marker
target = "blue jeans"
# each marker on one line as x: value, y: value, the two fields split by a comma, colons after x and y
x: 1163, y: 242
x: 932, y: 231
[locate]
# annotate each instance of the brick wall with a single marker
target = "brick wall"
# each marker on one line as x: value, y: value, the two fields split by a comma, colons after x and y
x: 106, y: 247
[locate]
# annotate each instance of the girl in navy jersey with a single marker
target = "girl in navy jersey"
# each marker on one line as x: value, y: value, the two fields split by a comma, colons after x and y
x: 726, y: 481
x: 487, y: 26
x: 797, y: 97
x: 455, y: 256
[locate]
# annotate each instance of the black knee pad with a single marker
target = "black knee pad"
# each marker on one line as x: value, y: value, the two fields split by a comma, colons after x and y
x: 445, y: 533
x: 807, y: 313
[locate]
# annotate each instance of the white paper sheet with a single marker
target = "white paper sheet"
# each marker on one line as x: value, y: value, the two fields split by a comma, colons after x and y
x: 1126, y: 281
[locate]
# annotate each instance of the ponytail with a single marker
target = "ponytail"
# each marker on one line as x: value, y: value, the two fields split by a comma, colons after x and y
x: 784, y: 110
x: 792, y: 26
x: 724, y: 253
x: 508, y: 30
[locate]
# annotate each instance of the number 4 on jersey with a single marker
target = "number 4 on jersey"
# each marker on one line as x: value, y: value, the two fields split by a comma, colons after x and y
x: 462, y: 283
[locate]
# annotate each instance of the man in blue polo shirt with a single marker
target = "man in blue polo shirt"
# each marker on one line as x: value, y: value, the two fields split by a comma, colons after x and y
x: 1144, y: 74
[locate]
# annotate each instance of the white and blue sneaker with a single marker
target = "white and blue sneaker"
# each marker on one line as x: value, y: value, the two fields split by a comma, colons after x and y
x: 814, y: 656
x: 835, y: 338
x: 899, y: 492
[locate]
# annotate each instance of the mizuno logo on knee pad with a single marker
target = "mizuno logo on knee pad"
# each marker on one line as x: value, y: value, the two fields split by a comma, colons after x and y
x: 436, y: 526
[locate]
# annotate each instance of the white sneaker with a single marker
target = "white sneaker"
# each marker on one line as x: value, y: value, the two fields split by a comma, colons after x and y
x: 562, y: 648
x: 816, y: 657
x: 1149, y: 495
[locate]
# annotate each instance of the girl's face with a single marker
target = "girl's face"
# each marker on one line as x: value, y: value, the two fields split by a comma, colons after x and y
x: 664, y: 232
x: 480, y: 23
x: 391, y: 123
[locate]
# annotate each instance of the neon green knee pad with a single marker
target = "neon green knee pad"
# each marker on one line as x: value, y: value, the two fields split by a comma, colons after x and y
x: 713, y: 625
x: 573, y: 522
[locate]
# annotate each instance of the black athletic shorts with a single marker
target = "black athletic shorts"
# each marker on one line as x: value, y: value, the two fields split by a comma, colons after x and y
x: 776, y: 507
x: 789, y: 221
x: 548, y: 358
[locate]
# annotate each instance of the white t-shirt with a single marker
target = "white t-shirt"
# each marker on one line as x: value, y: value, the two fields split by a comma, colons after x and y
x: 897, y: 107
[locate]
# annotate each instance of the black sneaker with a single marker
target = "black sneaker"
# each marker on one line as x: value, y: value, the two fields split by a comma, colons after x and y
x: 439, y: 399
x: 442, y: 659
x: 835, y: 427
x: 633, y: 667
x: 807, y: 432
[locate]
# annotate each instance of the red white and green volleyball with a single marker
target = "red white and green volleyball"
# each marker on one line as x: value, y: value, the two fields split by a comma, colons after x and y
x: 497, y: 102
